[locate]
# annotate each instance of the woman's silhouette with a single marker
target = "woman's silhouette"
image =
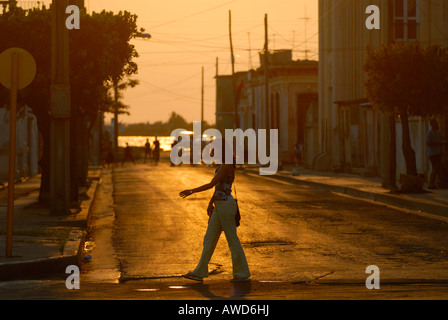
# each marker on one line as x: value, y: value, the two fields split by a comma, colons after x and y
x: 222, y: 211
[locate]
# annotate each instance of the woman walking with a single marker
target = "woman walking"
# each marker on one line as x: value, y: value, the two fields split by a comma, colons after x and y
x: 222, y: 211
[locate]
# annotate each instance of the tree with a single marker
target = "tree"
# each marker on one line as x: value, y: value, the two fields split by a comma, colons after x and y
x: 103, y: 57
x: 176, y: 121
x: 31, y: 30
x: 100, y: 52
x: 408, y: 80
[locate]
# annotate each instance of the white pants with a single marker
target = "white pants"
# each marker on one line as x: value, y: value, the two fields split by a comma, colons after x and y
x: 223, y: 219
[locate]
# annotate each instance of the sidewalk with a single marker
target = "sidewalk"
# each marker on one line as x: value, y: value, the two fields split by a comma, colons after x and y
x: 434, y: 202
x: 42, y: 244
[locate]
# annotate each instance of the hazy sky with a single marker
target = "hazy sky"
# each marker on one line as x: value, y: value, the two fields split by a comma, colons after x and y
x: 189, y: 35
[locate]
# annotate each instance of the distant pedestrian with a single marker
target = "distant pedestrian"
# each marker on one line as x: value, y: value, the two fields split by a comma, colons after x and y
x: 127, y: 154
x: 223, y: 213
x: 172, y: 147
x: 298, y: 150
x: 434, y: 142
x: 110, y: 157
x: 156, y: 151
x: 147, y: 150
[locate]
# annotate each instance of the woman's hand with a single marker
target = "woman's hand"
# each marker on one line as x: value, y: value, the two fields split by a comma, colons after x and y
x: 185, y: 193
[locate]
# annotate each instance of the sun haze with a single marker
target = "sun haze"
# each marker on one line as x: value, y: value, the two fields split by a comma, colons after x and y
x: 189, y: 35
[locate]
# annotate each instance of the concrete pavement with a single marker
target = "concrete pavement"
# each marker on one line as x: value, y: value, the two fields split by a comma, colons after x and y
x: 432, y: 202
x: 45, y: 244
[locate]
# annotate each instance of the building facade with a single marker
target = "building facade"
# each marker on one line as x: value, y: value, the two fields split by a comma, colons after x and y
x: 353, y: 136
x: 27, y: 144
x: 292, y: 107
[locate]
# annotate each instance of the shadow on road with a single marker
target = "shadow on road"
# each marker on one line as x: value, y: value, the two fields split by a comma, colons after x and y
x: 236, y: 291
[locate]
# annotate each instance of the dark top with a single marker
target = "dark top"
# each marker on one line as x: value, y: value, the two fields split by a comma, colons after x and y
x: 223, y: 189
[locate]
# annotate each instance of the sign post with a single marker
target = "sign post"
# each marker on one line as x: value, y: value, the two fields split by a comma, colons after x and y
x: 19, y: 70
x: 12, y: 153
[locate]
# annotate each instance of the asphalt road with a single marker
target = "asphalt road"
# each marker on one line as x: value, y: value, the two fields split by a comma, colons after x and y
x: 300, y: 243
x: 290, y: 233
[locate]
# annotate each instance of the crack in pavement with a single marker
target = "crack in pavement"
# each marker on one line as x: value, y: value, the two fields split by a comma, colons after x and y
x: 312, y: 281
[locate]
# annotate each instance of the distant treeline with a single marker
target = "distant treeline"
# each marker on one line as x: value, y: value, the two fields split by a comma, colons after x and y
x: 160, y: 128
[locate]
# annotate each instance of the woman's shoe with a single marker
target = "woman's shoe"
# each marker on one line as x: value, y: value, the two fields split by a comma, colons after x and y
x: 191, y: 276
x: 246, y: 279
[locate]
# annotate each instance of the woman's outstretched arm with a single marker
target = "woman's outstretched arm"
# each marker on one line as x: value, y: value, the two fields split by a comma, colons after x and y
x: 218, y: 177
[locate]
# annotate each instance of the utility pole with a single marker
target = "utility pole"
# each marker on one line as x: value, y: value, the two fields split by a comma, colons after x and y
x: 293, y: 39
x: 60, y: 112
x: 115, y: 88
x: 306, y: 19
x: 12, y: 153
x: 266, y: 69
x: 202, y: 100
x: 250, y: 53
x: 235, y: 105
x: 217, y: 67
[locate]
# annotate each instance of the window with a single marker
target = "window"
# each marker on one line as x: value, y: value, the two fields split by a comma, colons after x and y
x: 406, y: 21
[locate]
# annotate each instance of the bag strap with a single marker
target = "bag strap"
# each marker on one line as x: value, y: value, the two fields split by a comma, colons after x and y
x: 234, y: 183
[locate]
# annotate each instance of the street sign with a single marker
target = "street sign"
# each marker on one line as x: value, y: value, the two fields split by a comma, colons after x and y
x: 18, y: 70
x: 26, y: 68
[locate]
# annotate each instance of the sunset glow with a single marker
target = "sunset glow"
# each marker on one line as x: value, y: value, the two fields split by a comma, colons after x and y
x: 189, y: 35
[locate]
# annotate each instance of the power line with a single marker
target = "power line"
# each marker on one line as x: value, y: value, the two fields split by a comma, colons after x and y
x: 193, y: 15
x: 172, y: 93
x: 306, y: 19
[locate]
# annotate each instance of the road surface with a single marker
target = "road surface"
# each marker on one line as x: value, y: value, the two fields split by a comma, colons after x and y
x: 300, y: 243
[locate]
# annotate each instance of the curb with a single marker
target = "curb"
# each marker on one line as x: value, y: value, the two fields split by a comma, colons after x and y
x: 33, y: 268
x: 73, y: 251
x: 389, y: 199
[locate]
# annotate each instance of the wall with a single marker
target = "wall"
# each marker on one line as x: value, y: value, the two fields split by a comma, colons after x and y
x: 343, y: 41
x: 27, y: 144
